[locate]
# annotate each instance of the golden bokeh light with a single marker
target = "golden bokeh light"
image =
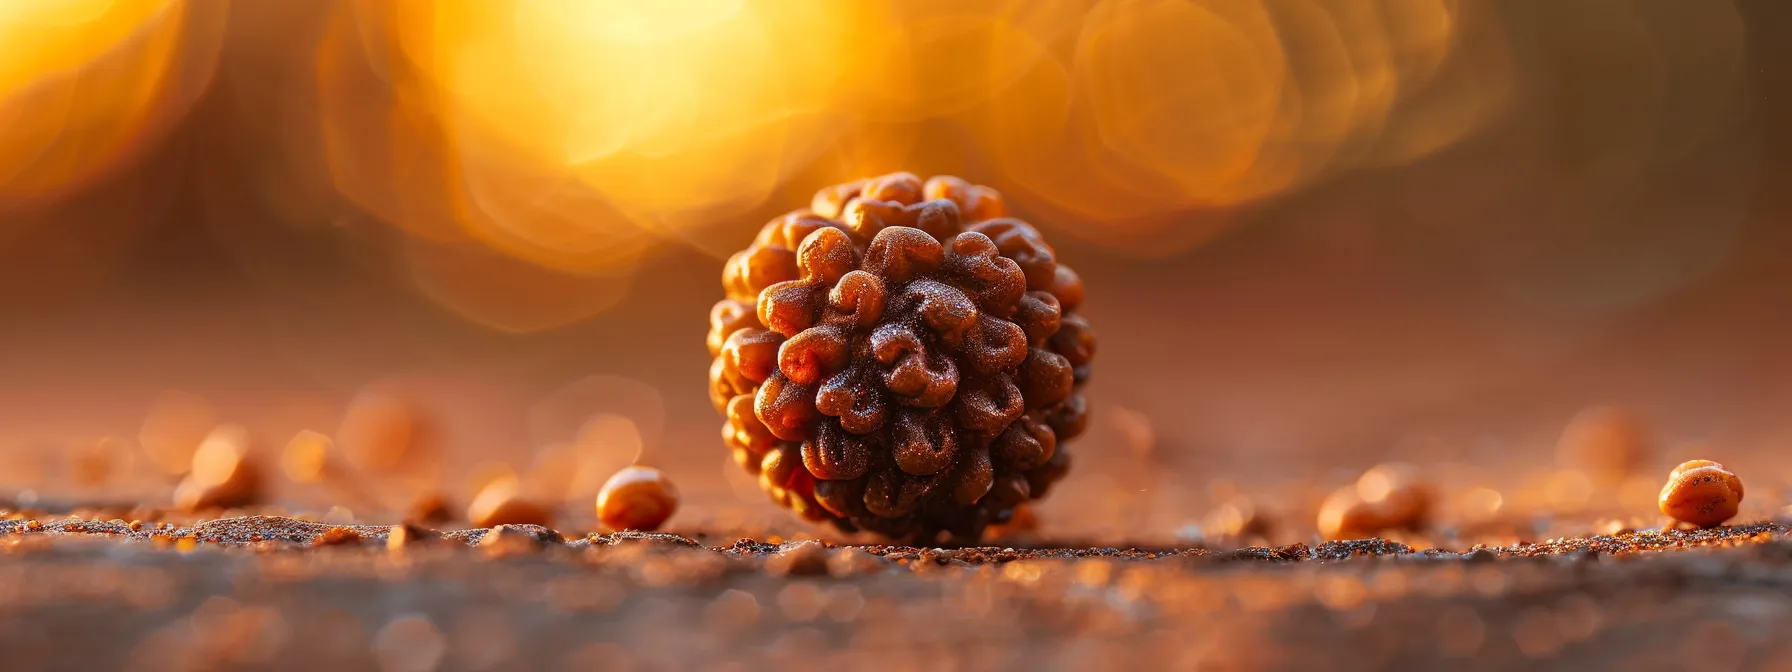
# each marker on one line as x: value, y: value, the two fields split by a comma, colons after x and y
x: 518, y: 162
x: 485, y: 474
x: 568, y: 133
x: 173, y: 429
x: 1147, y: 110
x: 306, y: 458
x: 378, y: 433
x: 84, y: 84
x: 219, y: 456
x: 577, y: 135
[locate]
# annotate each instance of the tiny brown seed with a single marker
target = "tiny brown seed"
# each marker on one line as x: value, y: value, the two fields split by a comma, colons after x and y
x: 222, y: 475
x: 1702, y: 493
x: 499, y: 503
x: 637, y: 498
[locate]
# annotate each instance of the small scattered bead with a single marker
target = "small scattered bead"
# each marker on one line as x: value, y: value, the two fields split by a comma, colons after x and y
x: 637, y: 498
x: 428, y: 507
x: 1702, y: 493
x: 222, y: 474
x: 499, y: 503
x: 1389, y: 496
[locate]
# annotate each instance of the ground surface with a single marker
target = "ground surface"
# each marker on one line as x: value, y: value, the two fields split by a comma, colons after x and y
x: 271, y: 592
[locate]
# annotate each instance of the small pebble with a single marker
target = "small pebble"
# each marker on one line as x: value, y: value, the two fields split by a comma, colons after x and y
x: 499, y: 503
x: 637, y: 498
x: 1388, y: 496
x: 1702, y: 493
x: 1400, y: 492
x: 428, y: 507
x: 222, y: 475
x: 1344, y: 515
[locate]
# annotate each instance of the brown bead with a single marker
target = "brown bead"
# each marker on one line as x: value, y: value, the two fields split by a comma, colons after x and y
x: 427, y: 507
x: 1399, y: 491
x: 223, y: 474
x: 1068, y: 287
x: 831, y: 202
x: 499, y: 503
x: 1702, y: 493
x: 1021, y: 242
x: 835, y: 455
x: 752, y: 354
x: 1386, y: 497
x: 976, y: 203
x: 744, y: 431
x: 1344, y: 515
x: 727, y: 317
x: 901, y: 358
x: 637, y: 498
x: 1237, y: 519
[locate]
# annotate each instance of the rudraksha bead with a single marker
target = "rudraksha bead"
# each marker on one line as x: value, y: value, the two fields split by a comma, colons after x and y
x: 901, y: 357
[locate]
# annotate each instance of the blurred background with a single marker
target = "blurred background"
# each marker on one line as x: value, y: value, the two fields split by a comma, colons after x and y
x: 1317, y: 234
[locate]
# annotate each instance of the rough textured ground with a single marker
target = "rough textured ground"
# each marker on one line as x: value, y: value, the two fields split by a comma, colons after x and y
x: 271, y: 592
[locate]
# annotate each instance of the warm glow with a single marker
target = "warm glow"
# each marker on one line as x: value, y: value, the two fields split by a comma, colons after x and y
x: 307, y: 457
x: 567, y: 132
x: 572, y: 134
x: 530, y: 156
x: 174, y: 428
x: 55, y: 35
x: 115, y: 71
x: 220, y: 455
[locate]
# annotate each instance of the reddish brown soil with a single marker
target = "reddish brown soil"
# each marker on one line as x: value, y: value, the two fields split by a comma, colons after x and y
x: 263, y: 592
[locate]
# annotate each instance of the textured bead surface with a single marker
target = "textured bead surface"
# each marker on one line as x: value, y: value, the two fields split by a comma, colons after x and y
x: 1701, y: 492
x: 901, y: 357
